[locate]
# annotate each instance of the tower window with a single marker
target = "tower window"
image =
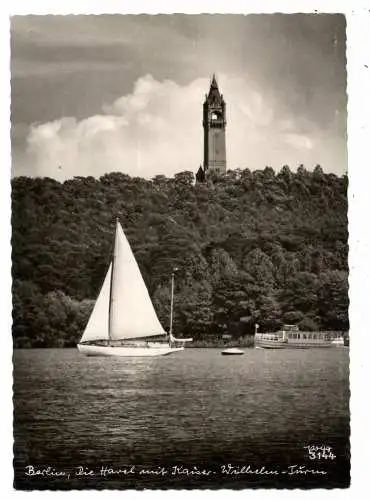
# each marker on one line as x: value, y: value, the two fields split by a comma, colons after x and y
x: 214, y: 116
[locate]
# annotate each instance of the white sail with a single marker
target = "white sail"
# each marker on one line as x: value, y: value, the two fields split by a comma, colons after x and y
x: 132, y: 314
x: 97, y: 326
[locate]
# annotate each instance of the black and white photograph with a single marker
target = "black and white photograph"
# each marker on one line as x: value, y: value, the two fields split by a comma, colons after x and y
x: 179, y: 239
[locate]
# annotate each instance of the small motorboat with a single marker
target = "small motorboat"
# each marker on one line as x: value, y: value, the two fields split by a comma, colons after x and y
x: 232, y: 351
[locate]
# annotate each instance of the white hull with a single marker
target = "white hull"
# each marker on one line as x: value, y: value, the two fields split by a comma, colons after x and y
x: 339, y: 342
x: 270, y: 344
x: 275, y: 344
x: 232, y: 351
x: 129, y: 352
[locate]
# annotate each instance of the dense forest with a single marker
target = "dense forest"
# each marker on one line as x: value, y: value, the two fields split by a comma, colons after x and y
x: 250, y: 246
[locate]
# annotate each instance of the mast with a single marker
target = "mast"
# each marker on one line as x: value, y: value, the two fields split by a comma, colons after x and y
x: 111, y: 284
x: 172, y: 297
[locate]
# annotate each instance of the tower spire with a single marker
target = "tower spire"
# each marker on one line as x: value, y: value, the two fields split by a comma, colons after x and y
x: 214, y: 95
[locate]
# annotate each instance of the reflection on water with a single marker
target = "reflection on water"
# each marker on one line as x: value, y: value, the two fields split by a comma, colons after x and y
x: 195, y: 408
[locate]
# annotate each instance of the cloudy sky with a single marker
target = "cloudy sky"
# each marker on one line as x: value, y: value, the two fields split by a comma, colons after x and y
x: 96, y: 94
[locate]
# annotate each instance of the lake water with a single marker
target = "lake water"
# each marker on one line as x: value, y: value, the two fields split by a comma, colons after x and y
x: 195, y: 409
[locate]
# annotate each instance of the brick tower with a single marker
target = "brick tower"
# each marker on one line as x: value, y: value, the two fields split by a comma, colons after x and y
x: 214, y: 125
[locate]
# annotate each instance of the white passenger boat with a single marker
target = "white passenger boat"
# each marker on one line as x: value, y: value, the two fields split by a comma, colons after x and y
x: 289, y: 337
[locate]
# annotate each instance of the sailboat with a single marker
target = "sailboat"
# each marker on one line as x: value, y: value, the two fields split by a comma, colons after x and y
x: 123, y: 321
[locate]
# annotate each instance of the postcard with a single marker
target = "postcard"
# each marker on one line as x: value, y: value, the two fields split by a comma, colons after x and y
x: 180, y: 251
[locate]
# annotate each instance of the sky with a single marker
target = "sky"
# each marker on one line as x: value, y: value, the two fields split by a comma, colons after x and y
x: 124, y: 93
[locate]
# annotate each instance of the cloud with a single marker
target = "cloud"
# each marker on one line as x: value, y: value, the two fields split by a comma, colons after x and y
x: 157, y: 129
x: 298, y: 141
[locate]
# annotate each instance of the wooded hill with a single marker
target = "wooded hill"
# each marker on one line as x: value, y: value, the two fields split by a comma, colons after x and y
x: 266, y: 247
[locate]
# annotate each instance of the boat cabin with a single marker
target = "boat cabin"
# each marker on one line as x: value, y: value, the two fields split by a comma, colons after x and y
x: 313, y: 336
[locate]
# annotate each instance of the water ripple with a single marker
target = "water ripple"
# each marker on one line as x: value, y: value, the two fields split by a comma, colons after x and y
x: 194, y: 408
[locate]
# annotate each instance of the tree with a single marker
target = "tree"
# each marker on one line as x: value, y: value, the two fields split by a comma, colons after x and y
x: 333, y: 300
x: 300, y: 293
x: 285, y: 175
x: 252, y: 245
x: 269, y: 174
x: 258, y: 265
x: 269, y: 312
x: 318, y: 173
x: 195, y: 308
x: 221, y: 265
x: 184, y: 178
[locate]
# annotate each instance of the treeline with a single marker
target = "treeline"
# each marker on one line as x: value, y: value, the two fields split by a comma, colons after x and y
x: 250, y: 247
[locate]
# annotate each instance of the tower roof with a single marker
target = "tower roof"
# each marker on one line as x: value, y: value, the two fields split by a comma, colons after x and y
x: 214, y: 82
x: 214, y: 96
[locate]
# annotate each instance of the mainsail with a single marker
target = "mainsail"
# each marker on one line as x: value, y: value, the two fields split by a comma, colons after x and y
x: 123, y: 309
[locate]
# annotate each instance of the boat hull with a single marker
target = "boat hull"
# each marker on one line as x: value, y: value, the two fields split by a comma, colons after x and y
x: 128, y: 352
x: 270, y: 344
x: 232, y: 352
x: 273, y: 344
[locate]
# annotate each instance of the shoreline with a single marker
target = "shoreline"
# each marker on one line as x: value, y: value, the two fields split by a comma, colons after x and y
x: 244, y: 342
